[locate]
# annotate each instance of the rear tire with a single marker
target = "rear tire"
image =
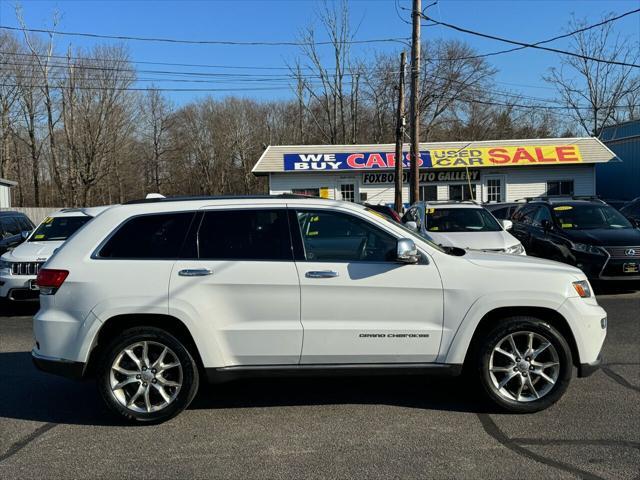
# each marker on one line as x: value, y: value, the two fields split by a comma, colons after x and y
x: 146, y: 375
x: 524, y: 364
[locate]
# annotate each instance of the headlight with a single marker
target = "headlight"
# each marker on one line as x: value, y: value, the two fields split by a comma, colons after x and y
x: 516, y: 249
x: 584, y: 248
x: 582, y: 288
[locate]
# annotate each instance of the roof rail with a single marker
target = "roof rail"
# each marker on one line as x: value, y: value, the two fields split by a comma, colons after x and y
x: 547, y: 198
x: 186, y: 198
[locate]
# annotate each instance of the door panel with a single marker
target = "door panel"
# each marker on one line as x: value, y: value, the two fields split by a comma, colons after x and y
x: 371, y: 313
x: 358, y: 304
x: 242, y: 288
x: 250, y: 310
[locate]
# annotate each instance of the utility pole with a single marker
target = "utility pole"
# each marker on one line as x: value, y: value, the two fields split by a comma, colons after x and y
x: 400, y: 137
x: 414, y: 191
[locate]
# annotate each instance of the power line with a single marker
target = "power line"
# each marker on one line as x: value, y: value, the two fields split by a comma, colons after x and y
x: 462, y: 100
x: 202, y: 42
x: 549, y: 40
x: 532, y: 45
x: 244, y: 77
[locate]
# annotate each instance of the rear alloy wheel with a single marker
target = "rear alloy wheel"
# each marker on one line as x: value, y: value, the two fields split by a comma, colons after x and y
x: 147, y: 375
x: 525, y: 364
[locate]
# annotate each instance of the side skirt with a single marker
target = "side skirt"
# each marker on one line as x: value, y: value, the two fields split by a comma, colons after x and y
x: 225, y: 374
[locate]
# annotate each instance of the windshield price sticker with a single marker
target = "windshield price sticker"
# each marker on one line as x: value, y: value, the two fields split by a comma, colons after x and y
x: 563, y: 208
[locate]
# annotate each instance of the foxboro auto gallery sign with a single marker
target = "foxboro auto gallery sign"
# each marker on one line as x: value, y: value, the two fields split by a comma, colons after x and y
x: 379, y: 178
x: 438, y: 158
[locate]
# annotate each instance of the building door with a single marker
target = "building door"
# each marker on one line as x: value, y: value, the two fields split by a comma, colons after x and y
x: 494, y: 186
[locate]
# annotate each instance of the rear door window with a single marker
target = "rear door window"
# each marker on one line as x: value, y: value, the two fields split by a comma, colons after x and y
x: 260, y: 234
x: 158, y: 236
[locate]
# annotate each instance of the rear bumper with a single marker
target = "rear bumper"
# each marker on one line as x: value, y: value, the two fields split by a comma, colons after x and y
x: 588, y: 369
x: 58, y: 366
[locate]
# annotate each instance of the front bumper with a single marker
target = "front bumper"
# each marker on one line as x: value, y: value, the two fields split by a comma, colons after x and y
x: 17, y: 287
x: 606, y: 267
x: 58, y: 366
x: 588, y: 369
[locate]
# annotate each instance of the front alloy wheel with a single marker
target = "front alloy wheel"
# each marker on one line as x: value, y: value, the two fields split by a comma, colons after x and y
x: 524, y: 364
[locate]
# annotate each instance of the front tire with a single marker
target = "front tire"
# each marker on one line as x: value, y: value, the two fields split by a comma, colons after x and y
x: 524, y: 364
x: 147, y: 375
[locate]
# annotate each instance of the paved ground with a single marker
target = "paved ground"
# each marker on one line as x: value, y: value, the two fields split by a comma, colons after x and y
x: 366, y: 428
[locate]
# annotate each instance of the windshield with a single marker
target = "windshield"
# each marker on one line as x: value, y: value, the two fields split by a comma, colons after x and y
x: 460, y: 220
x: 587, y: 217
x: 411, y: 233
x: 58, y: 228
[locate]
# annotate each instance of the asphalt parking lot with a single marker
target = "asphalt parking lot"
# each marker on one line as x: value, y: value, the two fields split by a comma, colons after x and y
x: 326, y: 428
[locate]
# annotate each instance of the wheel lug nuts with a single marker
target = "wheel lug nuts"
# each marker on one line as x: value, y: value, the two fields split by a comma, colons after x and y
x: 515, y: 369
x: 153, y: 370
x: 154, y: 381
x: 138, y: 377
x: 144, y: 384
x: 144, y: 369
x: 528, y: 359
x: 531, y: 367
x: 524, y: 374
x: 517, y: 359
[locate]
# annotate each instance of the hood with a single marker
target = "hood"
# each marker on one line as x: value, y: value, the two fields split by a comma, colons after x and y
x: 32, y: 251
x: 522, y: 263
x: 474, y: 240
x: 607, y: 237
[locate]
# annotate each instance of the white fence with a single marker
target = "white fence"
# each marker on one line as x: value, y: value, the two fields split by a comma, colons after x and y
x: 36, y: 214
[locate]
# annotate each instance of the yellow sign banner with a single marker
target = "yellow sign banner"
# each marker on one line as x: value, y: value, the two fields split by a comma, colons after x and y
x: 506, y: 156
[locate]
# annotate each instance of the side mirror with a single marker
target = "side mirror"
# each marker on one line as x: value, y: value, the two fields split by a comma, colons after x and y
x: 506, y: 224
x: 412, y: 225
x: 406, y: 251
x: 546, y: 225
x: 25, y: 234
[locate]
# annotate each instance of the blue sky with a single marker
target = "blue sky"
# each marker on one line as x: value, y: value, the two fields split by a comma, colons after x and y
x: 281, y: 20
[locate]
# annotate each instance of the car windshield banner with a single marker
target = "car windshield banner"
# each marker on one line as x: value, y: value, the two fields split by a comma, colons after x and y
x: 438, y: 158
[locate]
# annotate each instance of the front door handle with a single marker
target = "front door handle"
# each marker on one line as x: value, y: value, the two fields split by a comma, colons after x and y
x: 321, y: 274
x: 195, y: 272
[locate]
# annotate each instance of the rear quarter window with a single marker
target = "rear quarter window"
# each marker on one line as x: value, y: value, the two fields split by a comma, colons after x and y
x: 157, y: 236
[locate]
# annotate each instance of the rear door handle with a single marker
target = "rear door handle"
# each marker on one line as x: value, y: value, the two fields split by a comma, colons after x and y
x: 195, y: 272
x: 321, y: 274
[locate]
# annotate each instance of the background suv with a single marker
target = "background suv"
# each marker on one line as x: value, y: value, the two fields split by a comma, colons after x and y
x: 14, y: 228
x: 463, y: 225
x: 19, y: 267
x: 153, y: 296
x: 585, y: 232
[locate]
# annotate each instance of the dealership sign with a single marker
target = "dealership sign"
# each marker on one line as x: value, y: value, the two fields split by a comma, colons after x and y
x: 378, y: 178
x: 439, y: 158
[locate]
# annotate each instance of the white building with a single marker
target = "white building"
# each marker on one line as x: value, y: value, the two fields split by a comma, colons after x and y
x: 487, y: 171
x: 5, y: 192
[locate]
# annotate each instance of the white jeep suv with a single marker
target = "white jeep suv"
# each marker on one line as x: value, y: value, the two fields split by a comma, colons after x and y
x: 156, y: 295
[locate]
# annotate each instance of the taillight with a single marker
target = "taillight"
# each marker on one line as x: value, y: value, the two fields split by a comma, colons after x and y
x: 49, y: 280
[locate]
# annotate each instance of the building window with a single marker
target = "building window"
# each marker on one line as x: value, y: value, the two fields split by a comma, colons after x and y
x: 428, y: 193
x: 494, y: 190
x: 309, y: 192
x: 461, y: 192
x: 348, y: 192
x: 560, y: 187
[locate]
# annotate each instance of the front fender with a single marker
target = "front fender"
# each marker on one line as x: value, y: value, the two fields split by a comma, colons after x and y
x: 455, y: 349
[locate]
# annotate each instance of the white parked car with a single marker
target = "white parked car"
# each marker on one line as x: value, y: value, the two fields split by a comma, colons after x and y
x: 19, y: 267
x: 158, y: 295
x: 462, y: 224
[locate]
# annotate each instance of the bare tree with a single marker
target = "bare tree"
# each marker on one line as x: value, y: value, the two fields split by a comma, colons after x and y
x: 595, y: 92
x: 156, y: 119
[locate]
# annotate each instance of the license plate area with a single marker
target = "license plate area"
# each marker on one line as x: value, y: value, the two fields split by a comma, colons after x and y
x: 631, y: 267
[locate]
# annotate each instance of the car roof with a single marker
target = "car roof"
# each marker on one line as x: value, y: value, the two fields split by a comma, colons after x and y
x: 12, y: 213
x: 79, y: 212
x: 449, y: 204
